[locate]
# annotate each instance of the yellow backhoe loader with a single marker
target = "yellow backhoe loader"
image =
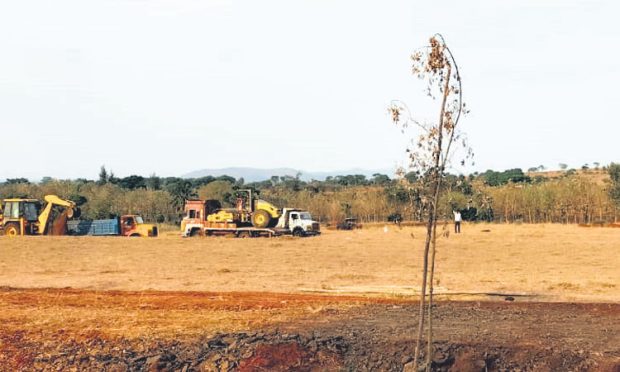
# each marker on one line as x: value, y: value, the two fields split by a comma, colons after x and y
x: 31, y: 217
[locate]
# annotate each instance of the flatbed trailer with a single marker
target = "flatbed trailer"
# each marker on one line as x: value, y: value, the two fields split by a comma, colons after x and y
x: 192, y: 230
x: 242, y: 232
x: 221, y: 229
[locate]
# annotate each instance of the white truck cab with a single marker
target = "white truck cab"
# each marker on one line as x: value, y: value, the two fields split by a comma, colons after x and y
x: 299, y: 222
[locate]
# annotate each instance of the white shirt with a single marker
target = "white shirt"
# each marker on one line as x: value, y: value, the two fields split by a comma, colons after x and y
x: 457, y: 216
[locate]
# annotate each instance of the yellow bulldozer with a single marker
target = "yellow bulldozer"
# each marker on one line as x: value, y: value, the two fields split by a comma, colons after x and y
x: 31, y: 217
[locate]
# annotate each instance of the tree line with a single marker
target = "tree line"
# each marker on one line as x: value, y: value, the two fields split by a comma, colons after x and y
x: 501, y: 196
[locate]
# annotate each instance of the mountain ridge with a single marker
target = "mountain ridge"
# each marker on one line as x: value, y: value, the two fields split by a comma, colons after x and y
x: 250, y: 174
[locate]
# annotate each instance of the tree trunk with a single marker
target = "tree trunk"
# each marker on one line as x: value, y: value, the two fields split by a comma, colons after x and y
x: 429, y: 228
x: 439, y: 166
x: 431, y: 232
x: 429, y: 351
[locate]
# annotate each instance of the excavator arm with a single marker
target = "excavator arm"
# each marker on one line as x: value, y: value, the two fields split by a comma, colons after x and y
x: 51, y: 201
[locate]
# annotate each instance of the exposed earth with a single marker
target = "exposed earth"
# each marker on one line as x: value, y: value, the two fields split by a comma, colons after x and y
x: 313, y: 333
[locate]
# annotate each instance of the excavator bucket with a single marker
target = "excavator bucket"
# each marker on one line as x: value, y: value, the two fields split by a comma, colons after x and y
x: 53, y: 218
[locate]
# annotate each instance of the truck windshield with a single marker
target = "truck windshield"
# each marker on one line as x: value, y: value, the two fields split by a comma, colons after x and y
x: 305, y: 216
x: 139, y: 220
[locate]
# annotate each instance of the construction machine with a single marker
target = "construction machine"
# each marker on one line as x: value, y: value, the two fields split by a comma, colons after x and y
x: 252, y: 217
x: 249, y: 210
x: 31, y: 217
x: 196, y: 222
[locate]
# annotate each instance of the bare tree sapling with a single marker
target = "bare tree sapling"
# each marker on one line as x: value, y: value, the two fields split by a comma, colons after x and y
x: 429, y: 152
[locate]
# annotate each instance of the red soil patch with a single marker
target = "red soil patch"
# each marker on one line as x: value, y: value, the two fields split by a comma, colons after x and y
x: 289, y: 357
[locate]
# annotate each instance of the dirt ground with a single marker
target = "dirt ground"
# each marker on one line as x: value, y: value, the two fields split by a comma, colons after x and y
x: 535, y: 298
x: 67, y: 329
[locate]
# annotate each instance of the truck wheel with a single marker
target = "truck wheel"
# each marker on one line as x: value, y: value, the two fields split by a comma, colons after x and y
x: 298, y: 232
x: 244, y: 234
x: 12, y: 229
x: 261, y: 219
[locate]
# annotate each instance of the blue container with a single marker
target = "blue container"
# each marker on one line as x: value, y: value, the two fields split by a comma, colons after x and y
x: 96, y: 227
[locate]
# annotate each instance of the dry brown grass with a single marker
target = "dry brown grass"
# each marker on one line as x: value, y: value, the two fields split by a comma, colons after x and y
x: 561, y: 262
x: 83, y: 313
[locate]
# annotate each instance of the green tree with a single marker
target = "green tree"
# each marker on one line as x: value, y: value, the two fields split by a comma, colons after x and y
x: 180, y: 189
x: 153, y: 182
x: 614, y: 176
x: 380, y: 179
x: 516, y: 175
x: 103, y: 176
x: 132, y: 182
x: 197, y: 182
x: 217, y: 190
x: 113, y: 179
x: 45, y: 180
x: 15, y: 181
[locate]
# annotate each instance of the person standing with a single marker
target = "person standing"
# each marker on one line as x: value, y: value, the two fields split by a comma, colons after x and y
x: 457, y: 222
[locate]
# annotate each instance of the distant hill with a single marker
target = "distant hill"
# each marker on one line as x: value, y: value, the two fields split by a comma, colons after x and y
x: 599, y: 176
x: 258, y: 174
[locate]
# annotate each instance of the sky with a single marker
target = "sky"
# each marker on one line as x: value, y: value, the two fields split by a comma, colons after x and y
x: 168, y: 87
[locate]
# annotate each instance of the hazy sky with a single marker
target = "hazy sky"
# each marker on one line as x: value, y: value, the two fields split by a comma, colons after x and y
x: 173, y: 86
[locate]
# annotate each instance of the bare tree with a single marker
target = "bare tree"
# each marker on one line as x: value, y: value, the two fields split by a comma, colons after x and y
x: 430, y: 151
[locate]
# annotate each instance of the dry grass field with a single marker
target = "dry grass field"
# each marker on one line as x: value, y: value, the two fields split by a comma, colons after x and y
x: 76, y: 303
x: 554, y: 262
